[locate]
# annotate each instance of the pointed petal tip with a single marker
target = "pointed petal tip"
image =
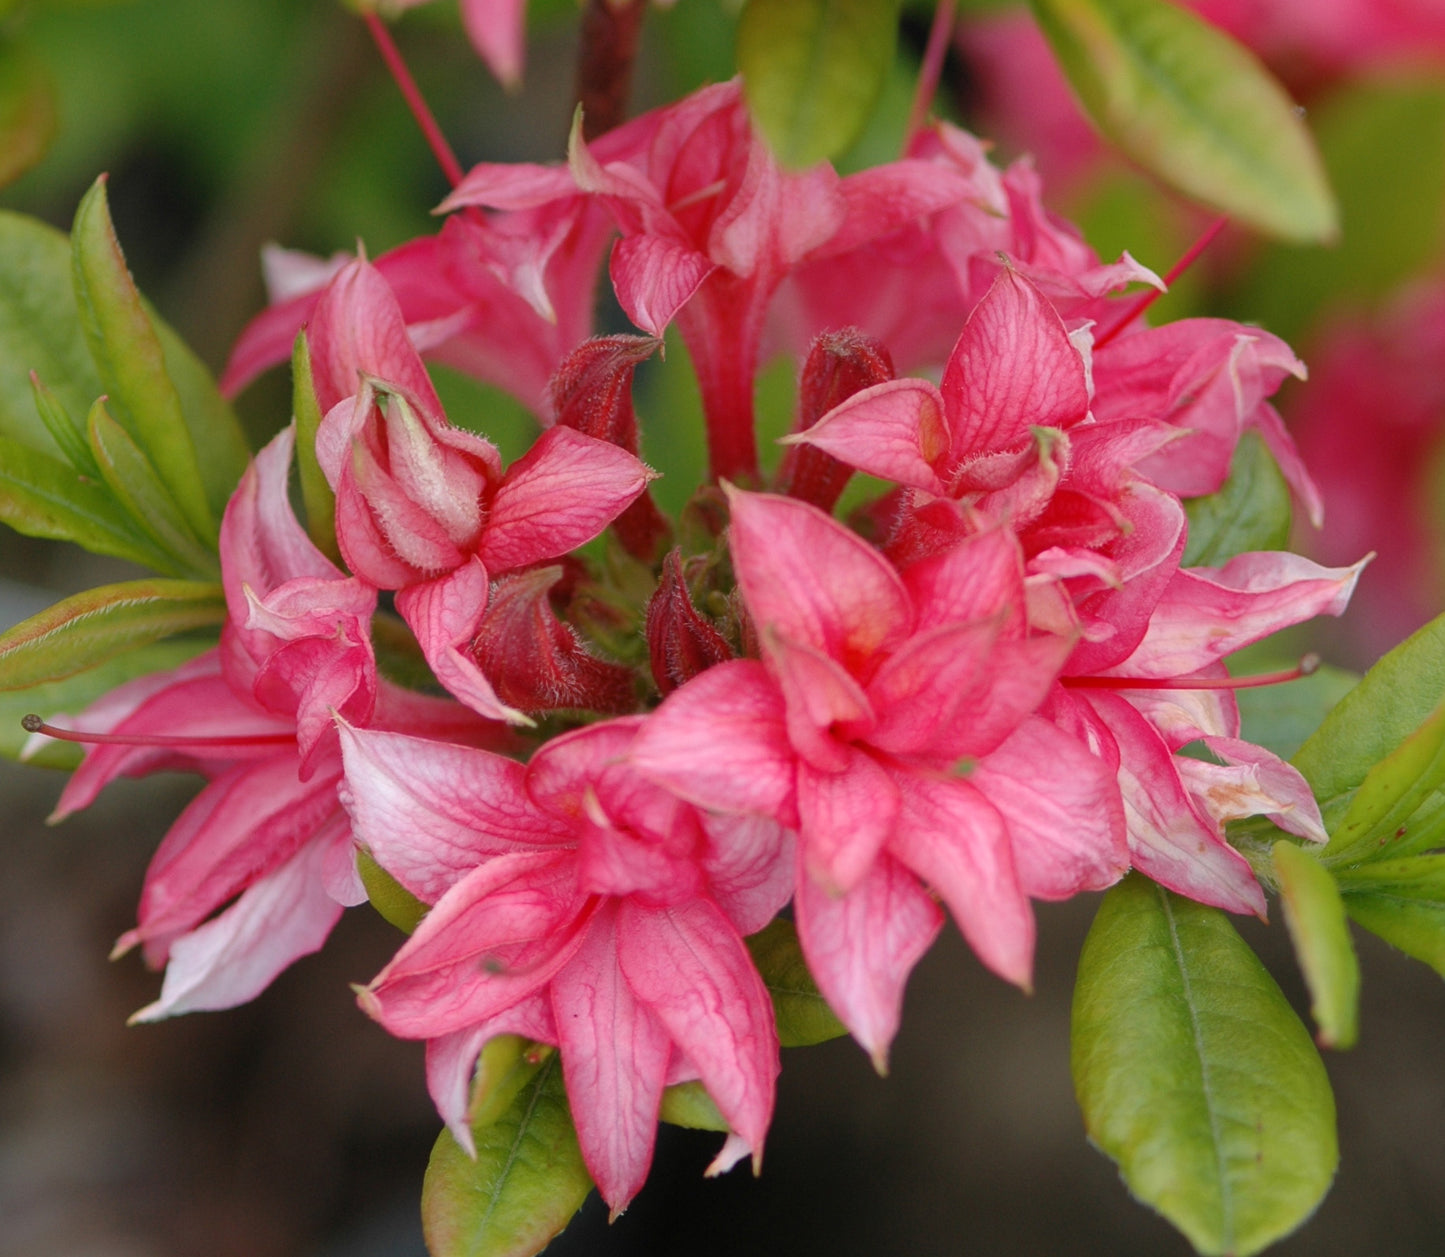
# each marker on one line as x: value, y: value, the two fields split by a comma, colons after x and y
x: 879, y: 1057
x: 124, y: 944
x: 151, y: 1012
x: 366, y: 1000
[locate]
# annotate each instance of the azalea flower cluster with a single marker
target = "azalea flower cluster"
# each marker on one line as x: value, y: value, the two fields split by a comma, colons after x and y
x: 976, y: 692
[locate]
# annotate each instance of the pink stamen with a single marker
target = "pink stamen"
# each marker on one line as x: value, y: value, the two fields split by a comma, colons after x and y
x: 930, y: 69
x: 1191, y: 255
x: 1306, y: 667
x: 391, y: 54
x: 34, y: 724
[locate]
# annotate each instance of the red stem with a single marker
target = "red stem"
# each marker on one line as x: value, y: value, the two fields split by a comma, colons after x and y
x: 1306, y: 667
x: 34, y: 724
x: 930, y: 69
x: 391, y: 54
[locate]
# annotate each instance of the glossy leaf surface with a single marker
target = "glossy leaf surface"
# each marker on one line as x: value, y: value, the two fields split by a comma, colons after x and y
x: 527, y: 1181
x: 1195, y: 1075
x: 1194, y: 108
x: 813, y: 70
x: 1251, y: 511
x: 802, y: 1013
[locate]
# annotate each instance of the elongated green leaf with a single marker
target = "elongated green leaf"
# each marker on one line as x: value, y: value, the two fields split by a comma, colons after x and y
x: 27, y: 110
x: 1195, y: 108
x: 1196, y: 1076
x: 75, y: 694
x: 507, y: 1064
x: 1390, y: 795
x: 1251, y: 511
x: 813, y: 70
x: 389, y: 897
x: 132, y: 362
x: 526, y: 1183
x: 1315, y: 915
x: 39, y: 329
x: 1392, y: 700
x: 1403, y: 901
x: 316, y: 494
x: 42, y: 497
x: 802, y: 1013
x: 69, y: 436
x: 136, y: 485
x: 688, y: 1104
x: 91, y: 627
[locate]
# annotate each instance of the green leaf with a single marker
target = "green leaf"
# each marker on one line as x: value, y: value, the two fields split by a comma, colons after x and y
x: 1390, y: 703
x: 132, y: 362
x: 42, y: 497
x: 1390, y: 795
x: 134, y: 482
x: 1195, y: 1075
x: 1403, y: 901
x: 688, y: 1104
x: 27, y: 110
x: 75, y: 694
x: 813, y: 70
x: 1195, y: 108
x: 68, y: 435
x: 802, y: 1013
x: 88, y: 628
x: 39, y: 329
x: 1250, y: 512
x: 507, y: 1063
x: 527, y: 1181
x: 316, y: 494
x: 1315, y: 914
x: 389, y: 897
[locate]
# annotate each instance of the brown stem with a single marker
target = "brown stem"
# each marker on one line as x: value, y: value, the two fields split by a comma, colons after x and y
x: 610, y: 32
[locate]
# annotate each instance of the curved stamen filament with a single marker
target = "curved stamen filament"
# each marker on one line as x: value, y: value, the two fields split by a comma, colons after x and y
x: 1306, y: 666
x: 34, y: 724
x: 1133, y: 311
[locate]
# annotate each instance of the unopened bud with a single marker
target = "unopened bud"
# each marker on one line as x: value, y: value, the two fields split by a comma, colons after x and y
x: 680, y: 642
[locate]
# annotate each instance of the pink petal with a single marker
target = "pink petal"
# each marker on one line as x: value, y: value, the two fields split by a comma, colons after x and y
x: 444, y: 615
x: 233, y: 957
x: 1257, y: 782
x: 919, y: 689
x: 845, y: 819
x: 562, y: 493
x: 978, y: 578
x: 721, y: 742
x: 690, y: 968
x: 749, y: 864
x: 496, y: 30
x: 819, y: 695
x: 654, y: 277
x: 1013, y: 368
x: 957, y: 842
x: 812, y: 581
x: 511, y: 186
x: 497, y: 936
x: 894, y: 430
x: 429, y: 812
x: 1062, y: 806
x: 614, y: 1057
x: 862, y: 946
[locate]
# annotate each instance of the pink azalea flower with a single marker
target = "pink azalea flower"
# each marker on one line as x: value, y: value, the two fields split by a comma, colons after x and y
x: 424, y: 507
x: 580, y: 905
x: 255, y: 718
x: 890, y: 720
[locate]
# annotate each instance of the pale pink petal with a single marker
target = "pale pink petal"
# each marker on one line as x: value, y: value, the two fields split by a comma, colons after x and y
x: 862, y: 946
x: 956, y: 841
x: 1256, y: 782
x: 497, y: 936
x: 1208, y: 613
x: 614, y: 1057
x: 564, y: 491
x: 1280, y: 444
x: 1168, y: 839
x: 978, y: 578
x: 429, y: 812
x: 689, y: 966
x: 495, y: 29
x: 749, y: 863
x: 844, y: 820
x: 721, y: 741
x: 654, y: 277
x: 819, y: 695
x: 510, y: 186
x: 1013, y: 368
x: 812, y: 581
x: 1062, y: 806
x: 233, y: 957
x: 894, y: 430
x: 451, y: 1059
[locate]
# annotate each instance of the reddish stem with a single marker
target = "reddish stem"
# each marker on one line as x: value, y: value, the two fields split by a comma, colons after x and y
x: 1306, y: 667
x: 34, y: 724
x: 391, y: 54
x: 1191, y: 254
x: 610, y: 32
x: 930, y: 69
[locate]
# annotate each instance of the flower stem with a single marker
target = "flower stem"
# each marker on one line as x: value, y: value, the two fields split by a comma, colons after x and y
x: 610, y: 32
x: 391, y: 54
x: 930, y: 69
